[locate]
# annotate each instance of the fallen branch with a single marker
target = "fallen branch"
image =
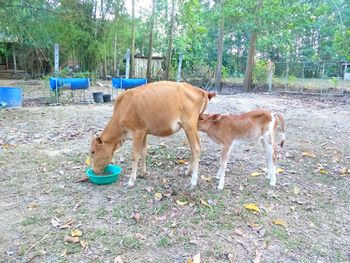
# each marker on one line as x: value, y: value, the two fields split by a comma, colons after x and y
x: 82, y: 180
x: 36, y: 244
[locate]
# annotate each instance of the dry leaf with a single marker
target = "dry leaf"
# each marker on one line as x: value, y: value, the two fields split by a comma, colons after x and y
x: 231, y: 258
x: 308, y: 154
x: 88, y: 161
x: 279, y: 222
x: 197, y: 258
x: 206, y: 204
x: 158, y: 196
x: 323, y: 171
x: 84, y: 244
x: 168, y: 193
x: 136, y: 216
x: 55, y: 222
x: 189, y: 260
x: 257, y: 256
x: 149, y: 189
x: 296, y: 190
x: 32, y: 205
x: 76, y: 233
x: 206, y: 178
x: 118, y: 259
x: 140, y: 236
x: 82, y: 180
x: 181, y: 162
x: 71, y: 239
x: 343, y: 171
x: 279, y: 170
x: 255, y: 174
x: 252, y: 207
x: 181, y: 203
x: 238, y: 232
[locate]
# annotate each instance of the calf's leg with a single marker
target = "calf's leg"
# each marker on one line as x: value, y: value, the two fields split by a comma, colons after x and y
x: 225, y: 154
x: 269, y: 152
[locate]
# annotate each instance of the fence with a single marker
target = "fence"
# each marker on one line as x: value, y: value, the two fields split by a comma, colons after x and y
x: 322, y: 77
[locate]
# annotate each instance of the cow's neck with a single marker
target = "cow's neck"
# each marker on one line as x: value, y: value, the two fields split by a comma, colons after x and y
x: 112, y: 134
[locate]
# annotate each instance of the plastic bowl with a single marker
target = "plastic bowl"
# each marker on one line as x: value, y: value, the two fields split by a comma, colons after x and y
x: 112, y: 174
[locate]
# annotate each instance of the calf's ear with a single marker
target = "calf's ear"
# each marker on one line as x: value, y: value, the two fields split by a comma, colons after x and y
x: 215, y: 117
x: 211, y: 95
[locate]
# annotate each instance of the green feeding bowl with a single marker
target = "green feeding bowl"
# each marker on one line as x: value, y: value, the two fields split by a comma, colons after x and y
x: 110, y: 175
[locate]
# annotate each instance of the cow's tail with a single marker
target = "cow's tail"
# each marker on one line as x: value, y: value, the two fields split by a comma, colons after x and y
x: 279, y: 120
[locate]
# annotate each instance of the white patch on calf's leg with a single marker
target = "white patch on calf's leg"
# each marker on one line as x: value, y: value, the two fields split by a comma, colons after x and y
x: 268, y: 143
x: 225, y: 154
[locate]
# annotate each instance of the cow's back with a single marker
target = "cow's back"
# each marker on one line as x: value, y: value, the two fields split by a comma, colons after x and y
x: 160, y: 106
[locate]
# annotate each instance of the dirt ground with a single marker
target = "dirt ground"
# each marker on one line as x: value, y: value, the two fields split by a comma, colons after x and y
x: 305, y: 218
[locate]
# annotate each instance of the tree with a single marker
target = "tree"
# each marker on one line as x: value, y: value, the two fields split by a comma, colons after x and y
x: 150, y: 45
x: 132, y: 53
x: 248, y: 77
x: 220, y: 41
x: 170, y: 41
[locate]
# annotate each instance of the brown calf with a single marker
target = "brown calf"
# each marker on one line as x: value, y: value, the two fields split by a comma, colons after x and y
x: 253, y: 126
x: 159, y: 108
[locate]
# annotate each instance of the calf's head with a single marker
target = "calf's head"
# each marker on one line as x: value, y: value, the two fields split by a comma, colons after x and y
x: 206, y: 120
x: 101, y: 154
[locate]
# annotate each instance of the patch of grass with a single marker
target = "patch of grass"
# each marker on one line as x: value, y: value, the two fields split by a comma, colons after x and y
x: 30, y: 221
x: 101, y: 212
x: 22, y: 249
x: 97, y: 233
x: 130, y: 242
x: 163, y: 207
x: 164, y: 242
x: 118, y: 211
x: 73, y: 248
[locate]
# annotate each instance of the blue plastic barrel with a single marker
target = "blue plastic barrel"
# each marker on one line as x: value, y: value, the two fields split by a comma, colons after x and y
x: 11, y: 97
x: 69, y: 83
x: 121, y: 83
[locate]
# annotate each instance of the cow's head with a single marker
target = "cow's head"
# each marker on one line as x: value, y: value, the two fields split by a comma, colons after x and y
x: 101, y: 154
x: 206, y: 120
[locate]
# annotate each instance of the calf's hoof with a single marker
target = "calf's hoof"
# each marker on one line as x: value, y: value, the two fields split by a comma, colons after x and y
x: 144, y: 174
x: 129, y: 185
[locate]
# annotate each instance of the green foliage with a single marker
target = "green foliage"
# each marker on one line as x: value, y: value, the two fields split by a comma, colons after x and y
x: 294, y: 30
x: 334, y: 81
x: 260, y: 73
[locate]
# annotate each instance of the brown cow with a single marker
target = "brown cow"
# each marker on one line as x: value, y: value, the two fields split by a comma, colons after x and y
x: 231, y: 130
x: 161, y: 109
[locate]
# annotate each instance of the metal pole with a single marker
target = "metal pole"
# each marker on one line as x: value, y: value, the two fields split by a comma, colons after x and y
x: 127, y: 66
x: 56, y: 61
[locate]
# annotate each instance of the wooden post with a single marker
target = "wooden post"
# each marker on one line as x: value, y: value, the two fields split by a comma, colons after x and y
x: 270, y: 70
x: 178, y: 77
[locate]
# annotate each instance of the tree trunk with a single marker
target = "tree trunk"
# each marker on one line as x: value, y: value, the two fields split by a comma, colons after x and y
x: 170, y: 44
x: 218, y: 74
x: 14, y: 60
x: 248, y: 78
x: 132, y: 54
x: 178, y: 77
x: 150, y: 47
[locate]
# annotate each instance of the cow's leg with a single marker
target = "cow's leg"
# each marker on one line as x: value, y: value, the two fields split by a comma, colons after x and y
x: 267, y: 142
x: 191, y: 133
x: 143, y: 156
x: 225, y: 154
x: 137, y: 142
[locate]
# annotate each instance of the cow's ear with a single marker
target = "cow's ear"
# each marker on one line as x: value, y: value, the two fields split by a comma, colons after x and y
x: 98, y: 140
x: 211, y: 95
x: 215, y: 117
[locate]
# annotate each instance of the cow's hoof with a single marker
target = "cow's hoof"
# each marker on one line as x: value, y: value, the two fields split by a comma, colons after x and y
x: 144, y: 174
x: 128, y: 185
